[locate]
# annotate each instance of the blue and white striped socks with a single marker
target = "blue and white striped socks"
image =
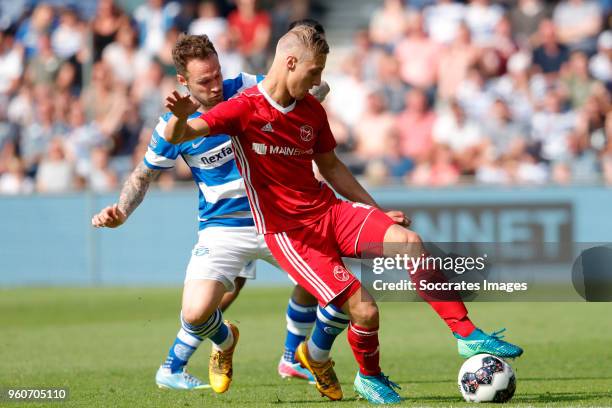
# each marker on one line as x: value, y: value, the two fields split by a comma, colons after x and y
x: 300, y: 320
x: 191, y: 336
x: 331, y: 321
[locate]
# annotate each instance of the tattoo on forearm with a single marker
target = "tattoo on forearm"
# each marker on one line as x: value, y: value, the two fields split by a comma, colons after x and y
x: 135, y: 188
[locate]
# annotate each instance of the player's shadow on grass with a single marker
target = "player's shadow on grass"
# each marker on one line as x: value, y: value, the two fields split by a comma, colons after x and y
x: 319, y: 401
x: 563, y: 378
x: 520, y: 397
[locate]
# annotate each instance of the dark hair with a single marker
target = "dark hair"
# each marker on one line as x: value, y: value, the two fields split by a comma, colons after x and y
x: 308, y: 22
x: 190, y: 47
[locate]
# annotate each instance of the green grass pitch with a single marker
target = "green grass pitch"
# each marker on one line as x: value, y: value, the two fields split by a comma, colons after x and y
x: 106, y: 344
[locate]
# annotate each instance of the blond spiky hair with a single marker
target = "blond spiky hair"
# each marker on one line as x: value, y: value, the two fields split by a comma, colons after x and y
x: 306, y: 38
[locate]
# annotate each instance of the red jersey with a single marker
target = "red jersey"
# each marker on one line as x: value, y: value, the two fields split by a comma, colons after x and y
x: 274, y: 147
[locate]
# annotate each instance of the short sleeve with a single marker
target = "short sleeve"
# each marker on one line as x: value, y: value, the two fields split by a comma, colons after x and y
x: 161, y: 155
x: 234, y: 86
x: 325, y: 140
x: 229, y: 117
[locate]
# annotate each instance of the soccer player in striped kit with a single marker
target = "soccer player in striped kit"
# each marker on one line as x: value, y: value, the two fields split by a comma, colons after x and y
x: 228, y: 243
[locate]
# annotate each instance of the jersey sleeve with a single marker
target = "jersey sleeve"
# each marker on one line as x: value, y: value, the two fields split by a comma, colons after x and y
x: 229, y: 117
x: 234, y: 86
x: 161, y: 155
x: 325, y: 140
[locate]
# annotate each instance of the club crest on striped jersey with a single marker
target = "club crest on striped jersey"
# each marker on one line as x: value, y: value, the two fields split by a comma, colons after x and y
x: 341, y: 274
x: 306, y: 133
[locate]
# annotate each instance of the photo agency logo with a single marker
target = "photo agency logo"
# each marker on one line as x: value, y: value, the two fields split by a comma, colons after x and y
x: 519, y: 252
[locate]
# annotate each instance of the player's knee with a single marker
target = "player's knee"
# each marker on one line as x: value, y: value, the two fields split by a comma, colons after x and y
x: 195, y: 314
x: 410, y: 237
x: 409, y: 243
x: 365, y: 314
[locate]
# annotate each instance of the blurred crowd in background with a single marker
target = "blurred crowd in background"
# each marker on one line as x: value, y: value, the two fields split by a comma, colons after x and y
x: 429, y: 93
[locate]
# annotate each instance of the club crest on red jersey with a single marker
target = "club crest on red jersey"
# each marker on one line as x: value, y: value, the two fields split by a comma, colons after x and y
x: 341, y: 274
x: 306, y: 133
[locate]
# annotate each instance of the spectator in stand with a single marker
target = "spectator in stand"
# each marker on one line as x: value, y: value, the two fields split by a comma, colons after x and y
x: 415, y: 126
x: 578, y: 23
x: 154, y: 19
x: 461, y: 134
x: 388, y: 23
x: 440, y: 171
x: 374, y: 127
x: 164, y: 55
x: 551, y: 128
x: 36, y: 136
x: 101, y: 179
x: 455, y: 61
x: 367, y: 55
x: 550, y: 54
x: 390, y: 83
x: 11, y: 65
x: 149, y: 93
x: 526, y: 18
x: 31, y: 29
x: 69, y: 37
x: 66, y: 79
x: 514, y: 88
x: 391, y: 166
x: 348, y: 98
x: 600, y: 64
x: 482, y: 17
x: 44, y: 65
x: 502, y: 131
x: 105, y: 100
x: 126, y: 61
x: 55, y: 174
x: 105, y: 25
x: 474, y: 96
x: 14, y: 180
x: 577, y: 80
x: 495, y: 59
x: 418, y: 55
x: 442, y: 21
x: 231, y: 60
x: 81, y: 139
x: 209, y: 22
x: 252, y: 28
x: 21, y: 110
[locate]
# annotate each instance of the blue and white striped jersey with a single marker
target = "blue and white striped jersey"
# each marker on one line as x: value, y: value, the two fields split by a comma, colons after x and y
x: 223, y: 199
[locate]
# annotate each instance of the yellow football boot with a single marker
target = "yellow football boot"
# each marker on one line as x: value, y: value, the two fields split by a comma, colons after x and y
x: 324, y: 374
x: 220, y: 364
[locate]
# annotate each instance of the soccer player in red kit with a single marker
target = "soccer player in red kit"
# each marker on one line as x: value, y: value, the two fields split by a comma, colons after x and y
x: 277, y: 130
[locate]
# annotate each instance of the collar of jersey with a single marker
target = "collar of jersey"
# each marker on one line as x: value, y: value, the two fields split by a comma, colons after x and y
x: 274, y: 104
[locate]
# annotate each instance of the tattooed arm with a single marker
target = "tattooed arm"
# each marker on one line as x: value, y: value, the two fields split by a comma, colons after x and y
x: 131, y: 196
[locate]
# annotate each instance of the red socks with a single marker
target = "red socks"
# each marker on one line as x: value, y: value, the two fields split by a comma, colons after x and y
x: 447, y: 304
x: 364, y: 343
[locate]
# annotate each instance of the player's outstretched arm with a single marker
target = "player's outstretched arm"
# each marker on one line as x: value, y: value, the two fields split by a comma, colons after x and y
x: 131, y: 196
x: 177, y: 129
x: 342, y: 180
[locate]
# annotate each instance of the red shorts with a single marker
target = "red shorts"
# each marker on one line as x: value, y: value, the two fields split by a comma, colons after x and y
x: 312, y: 255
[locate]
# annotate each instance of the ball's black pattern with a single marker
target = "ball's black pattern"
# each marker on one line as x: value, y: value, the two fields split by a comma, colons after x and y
x: 493, y: 363
x: 506, y: 395
x: 484, y: 376
x: 469, y: 383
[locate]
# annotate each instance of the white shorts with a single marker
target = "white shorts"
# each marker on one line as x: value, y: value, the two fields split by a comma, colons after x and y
x: 225, y: 253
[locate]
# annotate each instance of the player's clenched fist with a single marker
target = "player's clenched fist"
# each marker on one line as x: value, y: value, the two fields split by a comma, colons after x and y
x: 181, y: 106
x: 110, y: 217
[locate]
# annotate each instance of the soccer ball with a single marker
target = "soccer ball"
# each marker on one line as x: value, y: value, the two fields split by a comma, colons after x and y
x: 486, y: 378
